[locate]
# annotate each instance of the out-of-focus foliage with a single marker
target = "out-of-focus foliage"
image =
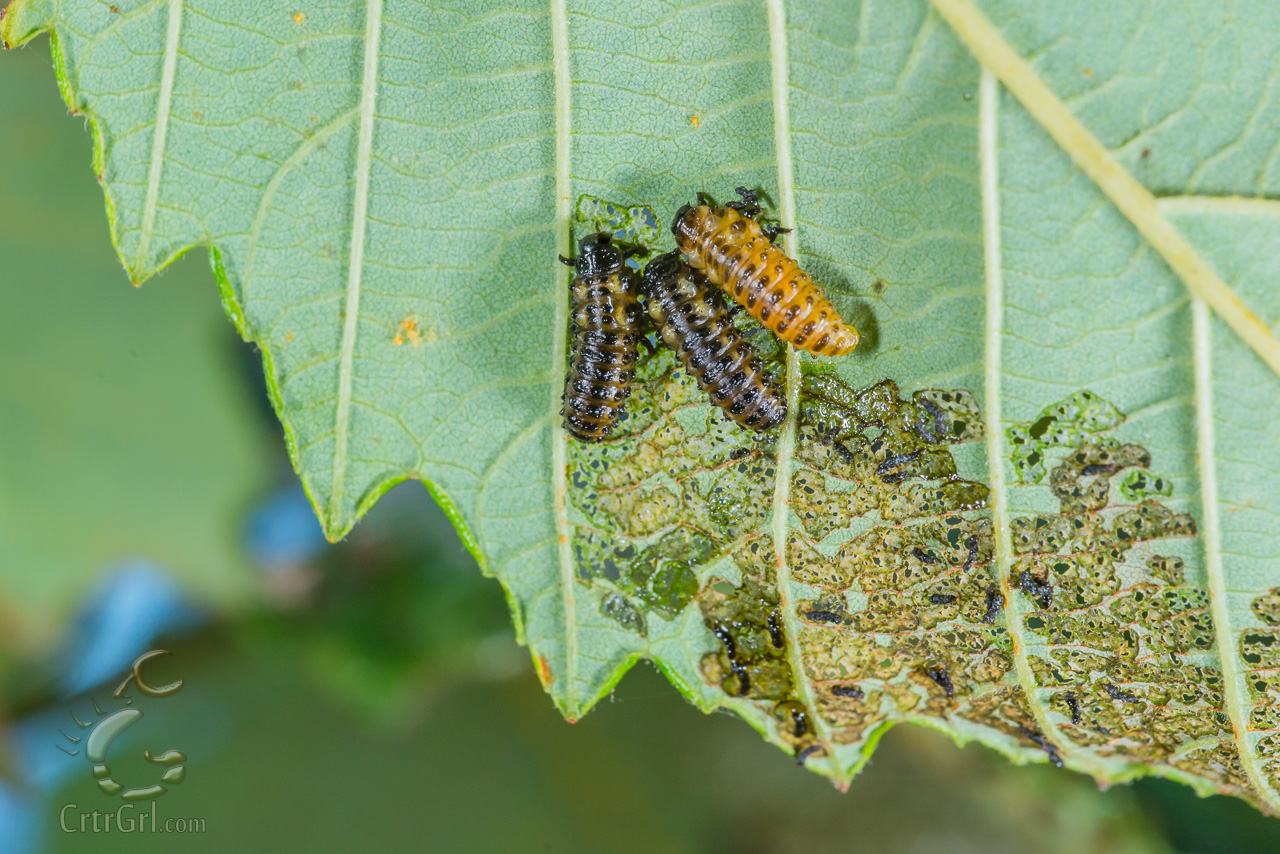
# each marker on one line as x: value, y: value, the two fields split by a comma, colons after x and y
x: 125, y: 429
x: 386, y: 617
x: 491, y: 767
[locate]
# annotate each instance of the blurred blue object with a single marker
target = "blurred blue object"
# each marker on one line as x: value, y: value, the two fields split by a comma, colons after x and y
x: 135, y: 604
x: 284, y: 532
x: 132, y: 606
x: 19, y: 833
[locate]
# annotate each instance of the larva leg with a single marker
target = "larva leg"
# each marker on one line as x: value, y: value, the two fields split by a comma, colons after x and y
x: 772, y: 230
x: 749, y: 205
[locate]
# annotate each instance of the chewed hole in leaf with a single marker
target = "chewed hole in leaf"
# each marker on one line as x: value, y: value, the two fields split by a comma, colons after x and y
x: 628, y: 223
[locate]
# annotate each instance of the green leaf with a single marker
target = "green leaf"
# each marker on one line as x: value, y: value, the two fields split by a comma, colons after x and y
x: 124, y: 431
x: 989, y: 519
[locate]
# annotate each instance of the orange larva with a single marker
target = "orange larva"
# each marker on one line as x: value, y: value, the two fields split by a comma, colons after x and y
x: 605, y: 329
x: 732, y: 251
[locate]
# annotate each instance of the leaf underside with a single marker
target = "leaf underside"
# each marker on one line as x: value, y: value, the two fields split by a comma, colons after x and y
x: 989, y: 519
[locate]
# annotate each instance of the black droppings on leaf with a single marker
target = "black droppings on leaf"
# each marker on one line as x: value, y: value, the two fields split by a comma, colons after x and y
x: 943, y: 678
x: 853, y: 692
x: 939, y: 426
x: 819, y: 616
x: 736, y: 667
x: 1036, y: 587
x: 941, y: 598
x: 924, y: 556
x: 1117, y: 694
x: 1090, y: 471
x: 806, y: 753
x: 1043, y: 743
x: 897, y: 460
x: 775, y: 630
x: 972, y: 544
x: 843, y: 451
x: 1073, y: 704
x: 995, y: 603
x: 800, y: 721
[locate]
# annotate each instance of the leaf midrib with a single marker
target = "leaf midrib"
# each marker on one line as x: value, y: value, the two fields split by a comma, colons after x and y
x: 573, y: 706
x: 164, y: 106
x: 1212, y: 535
x: 355, y: 261
x: 776, y: 16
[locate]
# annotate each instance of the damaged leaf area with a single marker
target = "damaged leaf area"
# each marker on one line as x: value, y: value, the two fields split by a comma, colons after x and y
x: 1120, y: 634
x: 890, y: 551
x: 894, y: 608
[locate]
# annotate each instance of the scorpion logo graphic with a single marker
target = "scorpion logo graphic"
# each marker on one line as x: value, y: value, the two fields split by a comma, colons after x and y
x: 101, y: 735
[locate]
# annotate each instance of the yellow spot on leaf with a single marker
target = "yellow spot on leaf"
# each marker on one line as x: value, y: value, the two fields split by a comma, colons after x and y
x: 1088, y: 72
x: 299, y: 18
x: 694, y: 120
x: 413, y: 334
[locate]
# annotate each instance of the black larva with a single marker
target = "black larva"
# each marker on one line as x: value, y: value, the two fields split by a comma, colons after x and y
x: 605, y: 329
x: 693, y: 320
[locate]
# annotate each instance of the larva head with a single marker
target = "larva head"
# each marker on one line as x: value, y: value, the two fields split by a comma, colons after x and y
x: 661, y: 270
x: 597, y: 255
x: 684, y: 225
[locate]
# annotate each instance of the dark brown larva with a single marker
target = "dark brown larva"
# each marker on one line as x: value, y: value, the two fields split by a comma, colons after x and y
x: 731, y: 249
x: 693, y: 320
x: 605, y: 328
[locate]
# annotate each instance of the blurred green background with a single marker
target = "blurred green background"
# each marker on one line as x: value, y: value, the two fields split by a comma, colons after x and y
x: 368, y: 693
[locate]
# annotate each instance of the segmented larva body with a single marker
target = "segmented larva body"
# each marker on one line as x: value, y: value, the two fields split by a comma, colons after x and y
x: 605, y: 328
x: 693, y: 319
x: 734, y: 252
